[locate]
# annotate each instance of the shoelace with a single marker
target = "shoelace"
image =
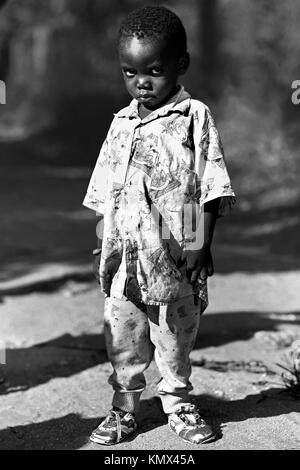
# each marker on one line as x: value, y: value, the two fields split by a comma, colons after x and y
x: 191, y: 410
x: 115, y: 416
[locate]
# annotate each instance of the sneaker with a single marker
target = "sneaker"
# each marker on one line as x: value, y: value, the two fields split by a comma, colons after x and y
x: 188, y: 424
x: 116, y: 427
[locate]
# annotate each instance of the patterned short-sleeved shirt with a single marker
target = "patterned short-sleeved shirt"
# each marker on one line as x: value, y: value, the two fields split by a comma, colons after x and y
x: 147, y: 173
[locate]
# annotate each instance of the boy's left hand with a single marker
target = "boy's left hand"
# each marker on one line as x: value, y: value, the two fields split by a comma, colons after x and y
x: 199, y: 263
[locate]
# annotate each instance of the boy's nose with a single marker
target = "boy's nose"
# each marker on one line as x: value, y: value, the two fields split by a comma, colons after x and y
x: 143, y: 83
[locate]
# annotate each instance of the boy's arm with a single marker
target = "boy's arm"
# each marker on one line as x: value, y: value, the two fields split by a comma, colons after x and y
x: 198, y: 255
x: 211, y: 209
x: 212, y: 182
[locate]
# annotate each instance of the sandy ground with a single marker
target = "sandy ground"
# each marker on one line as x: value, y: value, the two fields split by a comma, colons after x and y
x: 54, y: 384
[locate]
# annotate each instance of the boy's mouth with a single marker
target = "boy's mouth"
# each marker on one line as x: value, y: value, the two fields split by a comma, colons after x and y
x: 144, y: 96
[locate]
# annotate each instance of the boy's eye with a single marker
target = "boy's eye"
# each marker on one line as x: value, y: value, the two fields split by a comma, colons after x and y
x: 129, y: 73
x: 156, y: 71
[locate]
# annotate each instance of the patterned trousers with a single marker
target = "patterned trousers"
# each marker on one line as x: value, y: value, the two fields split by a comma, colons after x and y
x: 136, y: 333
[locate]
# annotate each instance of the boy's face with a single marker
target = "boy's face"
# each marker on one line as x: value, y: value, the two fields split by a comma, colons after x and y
x: 150, y: 71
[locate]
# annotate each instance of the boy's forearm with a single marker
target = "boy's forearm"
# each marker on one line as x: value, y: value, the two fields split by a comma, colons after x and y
x: 210, y: 216
x: 204, y: 222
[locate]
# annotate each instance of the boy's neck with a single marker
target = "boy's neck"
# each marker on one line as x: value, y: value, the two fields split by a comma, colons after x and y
x: 144, y: 112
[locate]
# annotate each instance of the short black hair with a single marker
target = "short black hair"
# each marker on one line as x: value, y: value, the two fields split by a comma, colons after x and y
x: 155, y: 22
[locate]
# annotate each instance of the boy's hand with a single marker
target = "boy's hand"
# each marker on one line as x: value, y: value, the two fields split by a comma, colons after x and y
x: 107, y: 273
x: 199, y: 263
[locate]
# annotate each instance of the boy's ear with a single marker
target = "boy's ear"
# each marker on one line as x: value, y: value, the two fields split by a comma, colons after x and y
x: 183, y: 63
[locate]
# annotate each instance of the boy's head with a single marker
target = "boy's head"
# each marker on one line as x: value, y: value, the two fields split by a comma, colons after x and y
x: 153, y: 53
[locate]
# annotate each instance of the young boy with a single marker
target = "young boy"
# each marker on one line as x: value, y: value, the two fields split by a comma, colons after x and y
x: 160, y: 164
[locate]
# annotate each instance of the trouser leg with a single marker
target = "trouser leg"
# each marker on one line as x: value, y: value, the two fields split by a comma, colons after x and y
x: 129, y: 350
x: 173, y: 331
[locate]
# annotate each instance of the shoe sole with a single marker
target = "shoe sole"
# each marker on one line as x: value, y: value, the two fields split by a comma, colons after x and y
x: 108, y: 443
x: 206, y: 440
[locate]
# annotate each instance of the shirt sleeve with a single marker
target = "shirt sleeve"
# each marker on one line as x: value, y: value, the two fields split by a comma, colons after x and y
x: 97, y: 189
x: 212, y: 178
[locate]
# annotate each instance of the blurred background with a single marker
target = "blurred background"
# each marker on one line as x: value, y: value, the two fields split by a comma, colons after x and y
x: 59, y: 62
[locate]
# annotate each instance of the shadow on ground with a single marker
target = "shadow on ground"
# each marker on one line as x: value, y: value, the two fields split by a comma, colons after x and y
x: 61, y: 357
x: 267, y: 403
x: 72, y: 431
x: 68, y: 432
x: 221, y: 328
x: 69, y: 355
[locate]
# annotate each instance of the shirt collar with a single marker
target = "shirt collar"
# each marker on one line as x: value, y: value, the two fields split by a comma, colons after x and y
x: 180, y: 102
